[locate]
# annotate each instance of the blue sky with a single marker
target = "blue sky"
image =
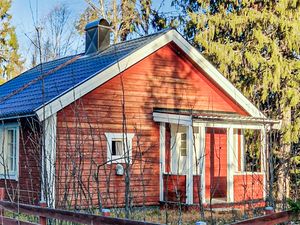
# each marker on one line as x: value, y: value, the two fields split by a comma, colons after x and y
x: 25, y: 12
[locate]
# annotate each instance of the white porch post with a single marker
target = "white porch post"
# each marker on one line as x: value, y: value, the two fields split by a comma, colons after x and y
x: 263, y: 159
x: 243, y: 158
x: 190, y: 166
x: 48, y: 190
x: 230, y: 165
x: 162, y: 151
x: 202, y: 162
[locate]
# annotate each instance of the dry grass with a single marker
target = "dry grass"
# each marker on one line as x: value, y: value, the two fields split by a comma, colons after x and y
x: 192, y: 216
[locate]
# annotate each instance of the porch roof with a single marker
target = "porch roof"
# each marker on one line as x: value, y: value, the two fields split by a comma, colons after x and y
x: 213, y: 116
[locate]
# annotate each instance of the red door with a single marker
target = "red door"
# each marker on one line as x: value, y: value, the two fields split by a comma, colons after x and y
x: 216, y: 163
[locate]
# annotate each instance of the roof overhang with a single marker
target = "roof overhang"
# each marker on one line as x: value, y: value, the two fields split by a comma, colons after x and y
x: 17, y: 117
x: 215, y: 119
x: 101, y: 77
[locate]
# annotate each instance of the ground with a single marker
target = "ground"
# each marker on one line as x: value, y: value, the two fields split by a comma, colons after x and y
x: 176, y: 216
x: 170, y: 216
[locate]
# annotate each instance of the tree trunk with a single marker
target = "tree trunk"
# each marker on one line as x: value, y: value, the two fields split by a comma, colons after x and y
x: 284, y: 156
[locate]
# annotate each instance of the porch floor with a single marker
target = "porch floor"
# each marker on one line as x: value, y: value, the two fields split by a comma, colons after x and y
x: 217, y: 200
x: 219, y: 203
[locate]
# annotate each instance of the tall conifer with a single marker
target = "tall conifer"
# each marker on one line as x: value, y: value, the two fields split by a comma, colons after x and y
x: 256, y: 45
x: 10, y: 63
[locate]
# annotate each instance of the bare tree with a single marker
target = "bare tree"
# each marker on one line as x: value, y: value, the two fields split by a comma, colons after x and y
x: 127, y: 17
x: 57, y: 35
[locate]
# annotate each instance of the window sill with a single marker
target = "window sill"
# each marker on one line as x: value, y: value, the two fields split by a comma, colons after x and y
x: 118, y: 159
x: 9, y: 177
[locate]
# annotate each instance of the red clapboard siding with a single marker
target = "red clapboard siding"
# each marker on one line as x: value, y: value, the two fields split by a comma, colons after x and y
x: 248, y: 186
x: 216, y: 163
x: 175, y: 188
x: 164, y: 80
x: 196, y: 188
x: 27, y: 188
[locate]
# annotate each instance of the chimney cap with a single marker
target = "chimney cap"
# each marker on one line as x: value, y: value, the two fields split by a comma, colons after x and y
x: 97, y: 36
x: 96, y: 23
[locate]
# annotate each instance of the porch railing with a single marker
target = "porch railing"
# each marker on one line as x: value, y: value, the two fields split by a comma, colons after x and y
x: 62, y: 215
x: 271, y: 219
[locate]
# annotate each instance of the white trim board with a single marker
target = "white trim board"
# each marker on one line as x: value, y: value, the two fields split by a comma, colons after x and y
x: 162, y: 157
x: 171, y: 36
x: 173, y: 118
x: 49, y: 161
x: 228, y: 125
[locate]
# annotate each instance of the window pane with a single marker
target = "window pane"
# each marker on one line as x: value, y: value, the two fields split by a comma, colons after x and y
x: 10, y: 136
x: 117, y: 147
x: 183, y: 145
x: 252, y: 151
x: 113, y: 148
x: 11, y: 150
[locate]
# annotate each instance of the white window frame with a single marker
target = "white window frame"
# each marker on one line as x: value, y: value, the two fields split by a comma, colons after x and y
x: 243, y: 162
x: 119, y: 136
x: 12, y: 175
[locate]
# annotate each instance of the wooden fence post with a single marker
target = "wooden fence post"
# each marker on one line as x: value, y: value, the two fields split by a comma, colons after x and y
x: 269, y: 210
x: 105, y: 212
x: 2, y: 197
x: 43, y: 220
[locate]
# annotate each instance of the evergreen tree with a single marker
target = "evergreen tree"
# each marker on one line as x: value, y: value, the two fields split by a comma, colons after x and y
x: 10, y: 63
x: 255, y: 44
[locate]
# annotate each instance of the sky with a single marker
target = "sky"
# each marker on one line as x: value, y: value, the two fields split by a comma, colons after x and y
x: 26, y: 12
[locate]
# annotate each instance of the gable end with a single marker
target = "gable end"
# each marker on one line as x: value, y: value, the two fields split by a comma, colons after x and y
x: 98, y: 79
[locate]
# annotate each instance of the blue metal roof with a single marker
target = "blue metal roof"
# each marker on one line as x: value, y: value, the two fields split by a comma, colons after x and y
x: 25, y: 100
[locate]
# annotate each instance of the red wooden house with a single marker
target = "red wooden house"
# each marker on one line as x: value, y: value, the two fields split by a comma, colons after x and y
x: 154, y: 108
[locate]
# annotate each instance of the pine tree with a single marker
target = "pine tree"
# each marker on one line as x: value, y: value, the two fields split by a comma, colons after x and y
x: 10, y: 63
x: 256, y: 45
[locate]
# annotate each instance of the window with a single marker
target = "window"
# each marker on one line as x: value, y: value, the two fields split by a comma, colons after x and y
x: 183, y: 144
x: 117, y: 149
x: 9, y: 148
x: 247, y: 150
x: 238, y: 146
x: 252, y: 157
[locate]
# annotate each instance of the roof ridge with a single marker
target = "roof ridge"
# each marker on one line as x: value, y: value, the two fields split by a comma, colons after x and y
x: 142, y: 37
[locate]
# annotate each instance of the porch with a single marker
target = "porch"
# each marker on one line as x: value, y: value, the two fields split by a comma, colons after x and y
x: 204, y: 157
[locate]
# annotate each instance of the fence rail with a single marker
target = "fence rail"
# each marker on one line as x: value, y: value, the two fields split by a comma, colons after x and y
x: 63, y: 215
x: 271, y: 219
x: 10, y: 221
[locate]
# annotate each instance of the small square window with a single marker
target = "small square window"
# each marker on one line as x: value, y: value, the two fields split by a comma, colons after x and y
x: 117, y: 147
